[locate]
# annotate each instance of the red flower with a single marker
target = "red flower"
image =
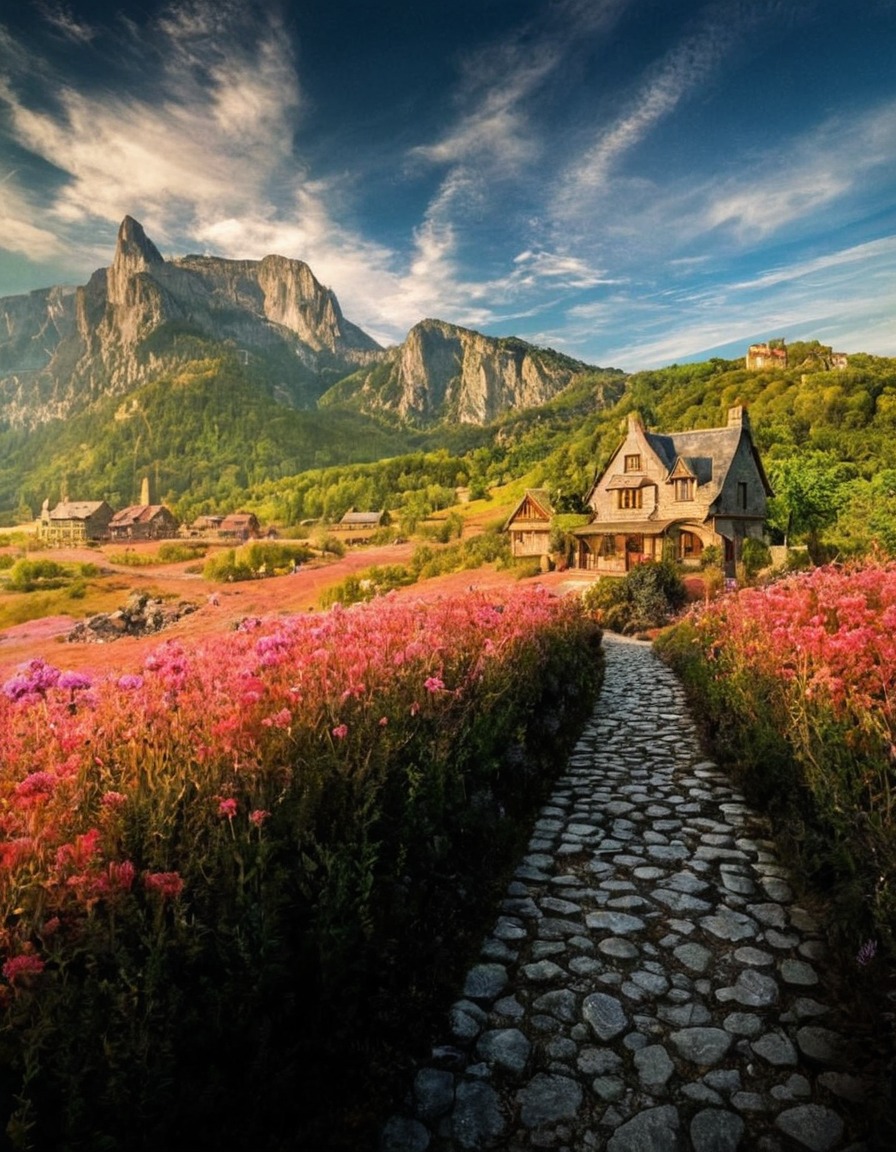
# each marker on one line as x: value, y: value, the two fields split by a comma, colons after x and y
x: 22, y: 967
x: 167, y: 884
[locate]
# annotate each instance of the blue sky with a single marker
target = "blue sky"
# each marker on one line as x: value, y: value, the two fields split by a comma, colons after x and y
x: 633, y: 182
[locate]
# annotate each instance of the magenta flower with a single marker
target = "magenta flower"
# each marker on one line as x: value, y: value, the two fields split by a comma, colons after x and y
x: 22, y: 967
x: 434, y: 684
x: 340, y: 731
x: 258, y: 817
x: 228, y: 808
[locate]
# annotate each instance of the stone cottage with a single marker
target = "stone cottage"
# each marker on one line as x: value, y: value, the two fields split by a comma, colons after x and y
x: 675, y: 493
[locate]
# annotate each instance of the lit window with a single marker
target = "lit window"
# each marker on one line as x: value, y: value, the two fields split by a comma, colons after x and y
x: 630, y: 497
x: 689, y: 545
x: 684, y: 489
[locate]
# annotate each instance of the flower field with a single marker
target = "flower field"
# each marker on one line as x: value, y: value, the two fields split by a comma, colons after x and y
x: 214, y: 872
x: 796, y: 682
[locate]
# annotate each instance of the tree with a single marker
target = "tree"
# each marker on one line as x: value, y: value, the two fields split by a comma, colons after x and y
x: 810, y: 489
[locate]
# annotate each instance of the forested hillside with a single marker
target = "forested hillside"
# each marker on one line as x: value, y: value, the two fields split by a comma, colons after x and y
x: 827, y: 437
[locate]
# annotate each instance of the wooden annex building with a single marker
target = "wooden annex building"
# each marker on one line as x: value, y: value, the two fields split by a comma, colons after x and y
x: 529, y: 525
x: 143, y: 522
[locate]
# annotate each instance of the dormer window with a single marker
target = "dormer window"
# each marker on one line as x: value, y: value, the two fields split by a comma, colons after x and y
x: 684, y: 488
x: 632, y: 463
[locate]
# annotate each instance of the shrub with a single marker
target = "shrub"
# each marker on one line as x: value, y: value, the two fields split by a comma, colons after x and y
x: 646, y: 597
x: 176, y: 552
x: 26, y: 575
x: 754, y: 556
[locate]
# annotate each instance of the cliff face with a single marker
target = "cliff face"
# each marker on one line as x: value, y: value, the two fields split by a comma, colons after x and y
x: 60, y: 349
x: 144, y: 317
x: 443, y: 372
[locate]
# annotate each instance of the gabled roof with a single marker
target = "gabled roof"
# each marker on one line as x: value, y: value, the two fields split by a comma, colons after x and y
x: 362, y: 519
x: 77, y: 509
x: 137, y: 514
x: 540, y: 497
x: 704, y: 453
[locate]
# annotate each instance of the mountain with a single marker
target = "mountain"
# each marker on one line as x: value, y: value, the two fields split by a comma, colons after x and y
x: 62, y: 349
x: 213, y: 374
x: 446, y: 373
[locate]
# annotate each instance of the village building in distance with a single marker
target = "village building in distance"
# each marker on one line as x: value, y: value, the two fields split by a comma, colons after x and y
x: 74, y: 522
x: 773, y: 354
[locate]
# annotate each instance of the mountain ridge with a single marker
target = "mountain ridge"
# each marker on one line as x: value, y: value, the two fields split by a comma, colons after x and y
x: 144, y: 316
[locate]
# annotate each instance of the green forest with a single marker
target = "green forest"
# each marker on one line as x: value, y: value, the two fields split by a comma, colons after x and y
x: 214, y: 439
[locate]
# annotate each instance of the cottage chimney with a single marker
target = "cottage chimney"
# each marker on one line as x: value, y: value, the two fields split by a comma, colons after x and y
x: 144, y: 492
x: 737, y: 417
x: 635, y: 423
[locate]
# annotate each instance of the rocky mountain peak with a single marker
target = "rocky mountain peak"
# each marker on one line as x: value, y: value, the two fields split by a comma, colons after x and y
x: 134, y: 253
x: 133, y: 244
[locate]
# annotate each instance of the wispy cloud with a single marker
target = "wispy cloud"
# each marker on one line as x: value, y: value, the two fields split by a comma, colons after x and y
x: 848, y: 294
x: 793, y: 181
x: 61, y: 19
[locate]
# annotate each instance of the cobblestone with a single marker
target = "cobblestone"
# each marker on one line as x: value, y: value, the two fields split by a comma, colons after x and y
x: 650, y: 984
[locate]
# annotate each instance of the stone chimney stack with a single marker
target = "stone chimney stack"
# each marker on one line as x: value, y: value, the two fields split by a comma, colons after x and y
x: 144, y: 492
x: 737, y: 417
x: 635, y: 423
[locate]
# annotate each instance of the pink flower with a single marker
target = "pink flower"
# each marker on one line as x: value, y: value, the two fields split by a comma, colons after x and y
x: 228, y: 808
x: 258, y: 817
x: 281, y: 719
x: 37, y: 784
x: 434, y: 684
x: 340, y: 731
x: 122, y: 875
x: 114, y: 800
x: 22, y: 967
x: 167, y: 884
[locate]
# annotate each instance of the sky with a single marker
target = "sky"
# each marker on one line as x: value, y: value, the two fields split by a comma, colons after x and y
x: 632, y: 182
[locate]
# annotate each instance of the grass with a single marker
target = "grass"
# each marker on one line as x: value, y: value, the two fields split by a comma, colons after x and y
x: 78, y: 599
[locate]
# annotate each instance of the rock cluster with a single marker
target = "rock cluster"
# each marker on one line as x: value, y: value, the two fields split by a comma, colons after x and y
x: 651, y: 983
x: 142, y: 615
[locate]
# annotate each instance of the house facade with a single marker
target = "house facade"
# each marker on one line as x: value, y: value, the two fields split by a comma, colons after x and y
x: 240, y: 526
x: 143, y: 522
x: 529, y: 525
x: 675, y: 494
x: 74, y: 522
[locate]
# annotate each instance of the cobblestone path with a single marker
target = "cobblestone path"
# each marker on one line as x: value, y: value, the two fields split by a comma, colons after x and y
x: 650, y: 984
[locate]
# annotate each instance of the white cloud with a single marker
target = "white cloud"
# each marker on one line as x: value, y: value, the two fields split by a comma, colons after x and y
x: 797, y: 179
